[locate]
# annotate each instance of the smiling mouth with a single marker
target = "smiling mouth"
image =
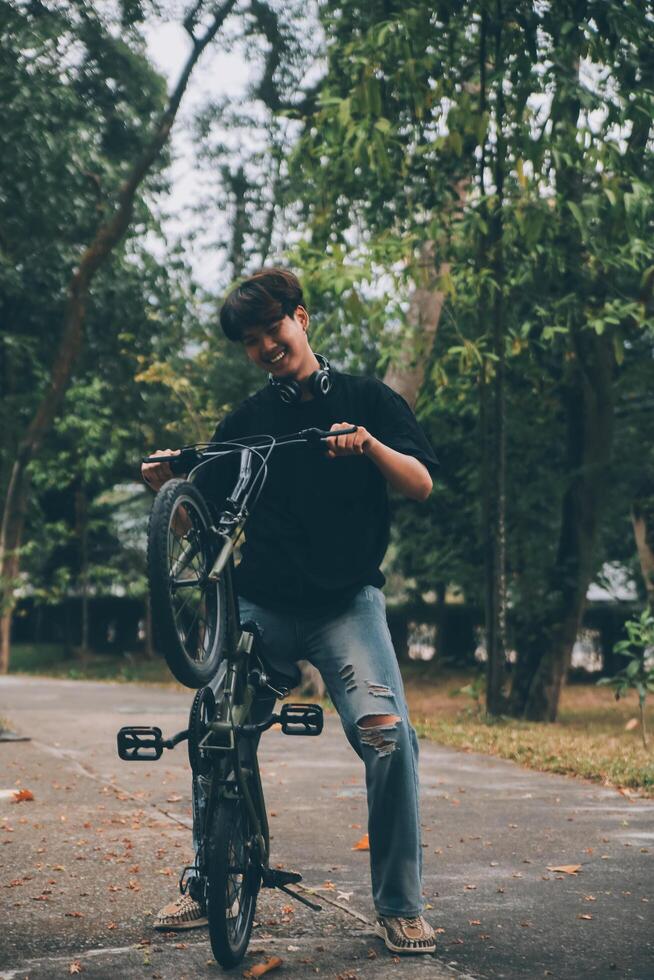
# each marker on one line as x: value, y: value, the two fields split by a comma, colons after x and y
x: 277, y: 358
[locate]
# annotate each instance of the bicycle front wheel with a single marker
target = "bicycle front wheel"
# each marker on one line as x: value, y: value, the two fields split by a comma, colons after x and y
x: 232, y: 882
x: 188, y: 611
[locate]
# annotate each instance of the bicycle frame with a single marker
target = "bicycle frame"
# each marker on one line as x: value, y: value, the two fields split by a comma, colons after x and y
x: 224, y: 738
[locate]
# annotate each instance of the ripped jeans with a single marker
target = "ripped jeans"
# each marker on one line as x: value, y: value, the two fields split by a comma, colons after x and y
x: 353, y: 652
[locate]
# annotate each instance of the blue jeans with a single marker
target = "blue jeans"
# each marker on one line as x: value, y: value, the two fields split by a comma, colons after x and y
x: 353, y: 652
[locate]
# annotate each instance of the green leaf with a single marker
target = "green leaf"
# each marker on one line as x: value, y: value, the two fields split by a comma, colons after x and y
x: 577, y: 214
x: 455, y: 141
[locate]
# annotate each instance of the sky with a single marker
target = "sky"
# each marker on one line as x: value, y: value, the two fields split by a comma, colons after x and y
x: 217, y: 73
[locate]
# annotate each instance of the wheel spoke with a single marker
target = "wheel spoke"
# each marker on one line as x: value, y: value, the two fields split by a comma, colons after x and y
x: 184, y: 583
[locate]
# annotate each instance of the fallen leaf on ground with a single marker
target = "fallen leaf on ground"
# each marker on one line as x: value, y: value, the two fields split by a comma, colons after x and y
x: 566, y: 869
x: 173, y: 798
x: 22, y: 796
x: 75, y: 967
x: 584, y: 915
x: 363, y: 844
x: 259, y: 969
x: 74, y: 915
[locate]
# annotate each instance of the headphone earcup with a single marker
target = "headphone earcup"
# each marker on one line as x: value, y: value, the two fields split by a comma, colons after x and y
x: 321, y: 383
x: 290, y: 392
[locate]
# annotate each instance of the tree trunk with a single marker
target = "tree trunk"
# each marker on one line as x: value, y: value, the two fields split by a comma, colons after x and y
x: 406, y: 374
x: 642, y: 517
x: 13, y: 520
x: 589, y: 416
x: 547, y: 642
x: 82, y: 528
x: 496, y: 509
x: 106, y: 238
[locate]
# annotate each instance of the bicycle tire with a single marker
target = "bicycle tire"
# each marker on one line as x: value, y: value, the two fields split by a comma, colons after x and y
x: 188, y: 611
x: 200, y: 715
x: 232, y: 882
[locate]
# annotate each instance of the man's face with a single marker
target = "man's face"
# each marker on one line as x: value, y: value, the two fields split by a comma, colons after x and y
x: 281, y: 348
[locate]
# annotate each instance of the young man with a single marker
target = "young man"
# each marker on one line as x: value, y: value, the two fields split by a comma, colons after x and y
x: 309, y: 573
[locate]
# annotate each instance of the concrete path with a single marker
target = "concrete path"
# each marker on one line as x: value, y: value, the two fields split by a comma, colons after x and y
x: 87, y: 863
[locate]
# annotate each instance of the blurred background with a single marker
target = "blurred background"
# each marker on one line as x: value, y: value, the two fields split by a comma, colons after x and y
x: 466, y: 192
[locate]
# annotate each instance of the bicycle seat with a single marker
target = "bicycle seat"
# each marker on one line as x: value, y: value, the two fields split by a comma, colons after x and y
x: 283, y: 675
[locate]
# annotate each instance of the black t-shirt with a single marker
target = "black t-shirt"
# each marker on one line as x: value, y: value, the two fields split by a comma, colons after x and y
x: 320, y: 528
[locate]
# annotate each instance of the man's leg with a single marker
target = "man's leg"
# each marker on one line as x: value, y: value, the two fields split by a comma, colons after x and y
x: 355, y: 655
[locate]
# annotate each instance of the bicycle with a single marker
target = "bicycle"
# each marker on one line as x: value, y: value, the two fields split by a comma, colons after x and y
x: 198, y: 629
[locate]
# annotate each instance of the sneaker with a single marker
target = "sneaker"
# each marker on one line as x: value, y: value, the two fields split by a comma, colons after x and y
x: 183, y: 913
x: 411, y: 935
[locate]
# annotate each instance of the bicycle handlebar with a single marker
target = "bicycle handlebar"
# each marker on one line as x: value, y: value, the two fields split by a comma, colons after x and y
x: 190, y: 456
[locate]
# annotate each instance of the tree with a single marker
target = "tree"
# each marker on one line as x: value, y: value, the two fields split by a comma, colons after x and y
x: 552, y: 239
x: 129, y: 159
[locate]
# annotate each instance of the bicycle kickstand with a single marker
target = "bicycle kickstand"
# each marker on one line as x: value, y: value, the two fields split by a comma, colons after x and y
x: 274, y: 878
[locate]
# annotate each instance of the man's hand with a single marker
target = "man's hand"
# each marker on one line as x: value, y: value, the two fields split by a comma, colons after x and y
x: 156, y: 474
x: 354, y: 444
x: 404, y: 473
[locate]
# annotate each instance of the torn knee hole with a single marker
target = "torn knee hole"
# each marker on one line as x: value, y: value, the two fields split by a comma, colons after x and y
x: 379, y: 731
x: 374, y: 721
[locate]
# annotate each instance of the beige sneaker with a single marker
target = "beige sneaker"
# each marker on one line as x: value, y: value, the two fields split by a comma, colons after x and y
x: 413, y: 935
x: 183, y: 913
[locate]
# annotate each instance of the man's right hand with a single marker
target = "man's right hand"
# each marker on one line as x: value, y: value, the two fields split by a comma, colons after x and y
x: 156, y: 474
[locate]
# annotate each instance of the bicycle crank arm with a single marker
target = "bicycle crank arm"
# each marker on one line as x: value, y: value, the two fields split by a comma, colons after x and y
x: 295, y: 719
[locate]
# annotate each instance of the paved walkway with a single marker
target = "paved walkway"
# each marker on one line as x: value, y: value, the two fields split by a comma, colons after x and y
x: 86, y: 864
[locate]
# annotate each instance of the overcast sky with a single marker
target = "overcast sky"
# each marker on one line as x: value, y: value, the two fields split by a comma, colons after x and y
x: 216, y: 73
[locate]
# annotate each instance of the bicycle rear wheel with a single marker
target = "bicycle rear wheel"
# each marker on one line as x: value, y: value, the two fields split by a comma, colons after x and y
x: 188, y: 611
x: 232, y: 882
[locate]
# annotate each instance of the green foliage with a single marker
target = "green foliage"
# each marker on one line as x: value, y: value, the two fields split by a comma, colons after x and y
x: 475, y: 690
x: 81, y: 98
x: 638, y: 674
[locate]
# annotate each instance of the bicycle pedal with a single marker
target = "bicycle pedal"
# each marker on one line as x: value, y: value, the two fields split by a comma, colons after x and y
x: 301, y: 719
x: 139, y: 743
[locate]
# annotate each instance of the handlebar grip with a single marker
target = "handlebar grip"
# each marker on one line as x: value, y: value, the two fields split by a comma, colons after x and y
x: 179, y: 464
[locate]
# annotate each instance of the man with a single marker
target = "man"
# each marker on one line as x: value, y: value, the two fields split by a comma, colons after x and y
x: 309, y: 574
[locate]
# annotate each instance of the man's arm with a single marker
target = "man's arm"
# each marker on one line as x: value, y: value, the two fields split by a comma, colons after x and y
x: 405, y: 473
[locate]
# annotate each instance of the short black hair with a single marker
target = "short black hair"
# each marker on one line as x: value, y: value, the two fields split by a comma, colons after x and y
x: 265, y: 297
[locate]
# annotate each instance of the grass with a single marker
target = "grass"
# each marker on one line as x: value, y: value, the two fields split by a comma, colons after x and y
x: 589, y: 739
x: 54, y: 660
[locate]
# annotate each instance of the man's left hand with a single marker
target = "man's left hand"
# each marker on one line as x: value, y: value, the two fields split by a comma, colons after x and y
x: 354, y: 444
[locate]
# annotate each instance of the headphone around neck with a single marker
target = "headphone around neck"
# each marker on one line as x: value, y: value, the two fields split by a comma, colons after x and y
x: 290, y: 391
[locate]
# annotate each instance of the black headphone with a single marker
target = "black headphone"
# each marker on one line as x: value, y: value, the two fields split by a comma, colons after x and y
x: 290, y: 391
